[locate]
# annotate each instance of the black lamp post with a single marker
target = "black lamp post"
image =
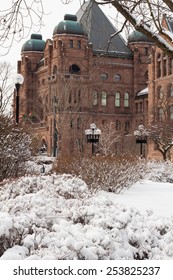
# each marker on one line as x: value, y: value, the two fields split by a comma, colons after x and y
x: 18, y: 81
x: 92, y: 135
x: 42, y: 170
x: 141, y: 137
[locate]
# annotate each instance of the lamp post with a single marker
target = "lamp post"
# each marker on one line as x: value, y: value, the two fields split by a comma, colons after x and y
x: 42, y: 170
x: 18, y: 81
x: 92, y: 135
x: 141, y: 137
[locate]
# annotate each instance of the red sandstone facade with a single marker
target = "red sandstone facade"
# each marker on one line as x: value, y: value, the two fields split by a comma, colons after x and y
x: 69, y: 85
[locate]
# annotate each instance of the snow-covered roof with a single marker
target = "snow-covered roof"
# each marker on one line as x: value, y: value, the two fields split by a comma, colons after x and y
x: 143, y: 92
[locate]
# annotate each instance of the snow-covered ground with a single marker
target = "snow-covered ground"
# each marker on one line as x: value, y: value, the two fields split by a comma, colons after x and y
x: 57, y: 217
x: 148, y: 196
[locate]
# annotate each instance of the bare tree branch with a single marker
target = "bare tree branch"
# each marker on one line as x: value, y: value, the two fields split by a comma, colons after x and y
x: 17, y: 20
x: 6, y: 87
x: 142, y: 13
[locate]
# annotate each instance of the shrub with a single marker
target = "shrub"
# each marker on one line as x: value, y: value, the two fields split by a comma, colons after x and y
x: 15, y: 148
x: 106, y: 173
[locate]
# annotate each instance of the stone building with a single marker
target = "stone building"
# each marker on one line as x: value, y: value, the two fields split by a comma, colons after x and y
x: 82, y: 76
x: 160, y: 98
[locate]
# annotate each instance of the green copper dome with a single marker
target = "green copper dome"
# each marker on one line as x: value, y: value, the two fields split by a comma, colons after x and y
x: 137, y: 36
x: 35, y: 44
x: 69, y: 25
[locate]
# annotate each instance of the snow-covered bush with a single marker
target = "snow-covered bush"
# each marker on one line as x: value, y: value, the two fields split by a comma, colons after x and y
x: 108, y: 173
x: 10, y: 235
x: 15, y: 148
x: 36, y: 164
x: 163, y: 174
x: 56, y: 217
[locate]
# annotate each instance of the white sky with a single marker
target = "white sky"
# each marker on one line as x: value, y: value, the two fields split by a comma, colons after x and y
x: 55, y: 10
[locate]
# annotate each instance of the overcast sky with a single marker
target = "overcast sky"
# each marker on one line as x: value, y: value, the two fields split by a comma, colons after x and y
x: 55, y: 10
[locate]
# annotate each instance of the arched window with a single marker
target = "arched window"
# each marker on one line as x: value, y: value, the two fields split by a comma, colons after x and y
x: 117, y: 99
x: 104, y: 98
x: 94, y: 98
x: 126, y: 99
x: 43, y: 148
x: 74, y: 69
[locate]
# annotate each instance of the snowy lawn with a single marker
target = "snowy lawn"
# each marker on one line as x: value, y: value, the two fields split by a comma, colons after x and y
x: 147, y: 196
x: 57, y: 217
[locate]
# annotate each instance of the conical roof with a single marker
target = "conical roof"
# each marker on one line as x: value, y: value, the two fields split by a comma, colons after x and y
x: 100, y: 29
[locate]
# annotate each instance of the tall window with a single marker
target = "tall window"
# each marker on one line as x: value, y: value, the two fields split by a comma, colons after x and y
x: 104, y: 98
x: 117, y: 99
x: 79, y: 44
x: 126, y: 126
x: 158, y: 65
x: 118, y: 125
x: 70, y: 43
x: 126, y: 99
x: 94, y: 98
x: 164, y: 67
